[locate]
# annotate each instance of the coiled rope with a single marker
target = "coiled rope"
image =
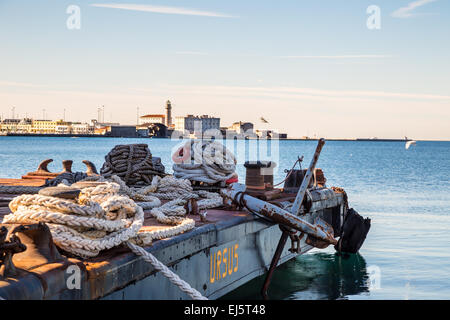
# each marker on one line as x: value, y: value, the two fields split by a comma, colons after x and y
x: 133, y: 163
x: 204, y: 161
x: 104, y: 216
x: 19, y: 189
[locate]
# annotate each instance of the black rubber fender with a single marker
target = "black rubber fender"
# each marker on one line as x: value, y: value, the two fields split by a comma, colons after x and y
x: 354, y: 232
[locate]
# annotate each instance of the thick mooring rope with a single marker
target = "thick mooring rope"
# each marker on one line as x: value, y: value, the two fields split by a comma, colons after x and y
x: 133, y: 163
x: 174, y: 278
x: 104, y: 216
x: 19, y: 189
x: 204, y: 161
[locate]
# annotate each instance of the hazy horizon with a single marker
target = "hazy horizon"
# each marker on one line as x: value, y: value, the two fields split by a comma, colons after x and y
x: 308, y: 68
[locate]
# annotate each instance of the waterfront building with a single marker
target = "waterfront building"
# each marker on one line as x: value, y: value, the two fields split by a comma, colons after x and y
x: 100, y: 130
x: 268, y: 134
x: 152, y: 118
x: 158, y: 130
x: 62, y: 129
x: 9, y: 125
x: 82, y: 128
x: 47, y: 126
x: 122, y: 131
x: 241, y: 127
x: 97, y: 124
x: 24, y: 125
x: 196, y: 124
x: 142, y: 132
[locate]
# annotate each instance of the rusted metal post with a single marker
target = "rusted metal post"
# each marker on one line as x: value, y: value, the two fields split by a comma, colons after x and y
x: 43, y: 166
x: 277, y: 214
x: 274, y: 263
x: 67, y: 166
x: 90, y: 168
x: 305, y: 183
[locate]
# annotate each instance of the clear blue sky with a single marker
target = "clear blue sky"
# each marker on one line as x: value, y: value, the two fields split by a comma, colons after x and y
x: 309, y: 67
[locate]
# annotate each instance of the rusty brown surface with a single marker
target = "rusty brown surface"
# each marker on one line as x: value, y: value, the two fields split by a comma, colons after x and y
x: 150, y: 224
x: 292, y: 221
x: 100, y: 274
x: 34, y: 182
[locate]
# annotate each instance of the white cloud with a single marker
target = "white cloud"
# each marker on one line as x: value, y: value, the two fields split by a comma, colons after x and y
x: 355, y: 56
x: 406, y: 12
x: 286, y: 92
x: 161, y: 9
x: 305, y: 93
x: 19, y: 84
x: 192, y: 53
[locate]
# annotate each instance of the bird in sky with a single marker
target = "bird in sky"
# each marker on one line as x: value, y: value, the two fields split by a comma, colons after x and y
x: 264, y: 120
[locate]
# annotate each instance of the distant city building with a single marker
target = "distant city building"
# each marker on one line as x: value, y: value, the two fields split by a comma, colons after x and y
x: 100, y: 130
x: 25, y: 125
x: 142, y: 132
x: 97, y: 124
x: 152, y: 118
x: 82, y: 128
x: 157, y: 130
x: 268, y: 134
x: 195, y: 124
x: 241, y: 127
x: 48, y: 126
x: 9, y: 125
x: 121, y: 131
x: 62, y: 129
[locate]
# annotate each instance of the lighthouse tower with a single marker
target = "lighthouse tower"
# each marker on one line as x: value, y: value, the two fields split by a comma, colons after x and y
x: 168, y: 113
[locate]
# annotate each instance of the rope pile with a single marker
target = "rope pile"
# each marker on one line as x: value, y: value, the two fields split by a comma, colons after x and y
x: 133, y: 163
x: 66, y: 178
x: 103, y: 216
x: 178, y: 191
x: 111, y: 212
x: 99, y: 219
x: 204, y: 161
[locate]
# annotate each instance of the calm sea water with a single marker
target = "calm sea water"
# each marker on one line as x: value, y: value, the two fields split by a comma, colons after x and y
x: 406, y: 193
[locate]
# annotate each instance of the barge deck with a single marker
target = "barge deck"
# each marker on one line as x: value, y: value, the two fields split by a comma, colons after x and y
x: 220, y: 254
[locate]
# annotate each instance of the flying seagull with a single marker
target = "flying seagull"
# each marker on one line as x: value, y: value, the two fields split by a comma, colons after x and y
x: 409, y: 144
x: 264, y: 120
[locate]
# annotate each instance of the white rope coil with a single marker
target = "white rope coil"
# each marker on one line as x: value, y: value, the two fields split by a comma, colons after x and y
x: 204, y: 161
x: 105, y: 216
x: 72, y: 221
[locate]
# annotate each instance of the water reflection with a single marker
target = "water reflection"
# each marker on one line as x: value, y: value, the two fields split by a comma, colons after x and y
x: 312, y: 276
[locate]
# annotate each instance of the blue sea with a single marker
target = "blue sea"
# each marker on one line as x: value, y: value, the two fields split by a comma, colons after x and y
x: 406, y: 193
